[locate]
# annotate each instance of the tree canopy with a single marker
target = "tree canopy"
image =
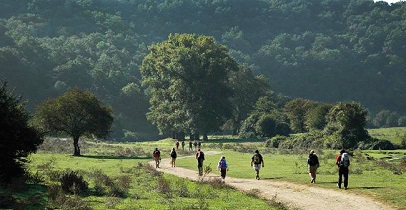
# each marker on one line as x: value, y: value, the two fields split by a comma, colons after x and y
x: 327, y: 50
x: 187, y: 78
x: 17, y: 137
x: 75, y: 113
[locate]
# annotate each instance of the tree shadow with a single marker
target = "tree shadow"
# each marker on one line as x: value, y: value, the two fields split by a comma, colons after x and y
x: 114, y: 157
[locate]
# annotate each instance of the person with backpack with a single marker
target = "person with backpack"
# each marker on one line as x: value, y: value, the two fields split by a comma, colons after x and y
x: 173, y: 156
x: 190, y: 145
x: 343, y: 162
x: 157, y: 157
x: 177, y: 144
x: 200, y: 159
x: 313, y: 163
x: 257, y: 161
x: 223, y: 167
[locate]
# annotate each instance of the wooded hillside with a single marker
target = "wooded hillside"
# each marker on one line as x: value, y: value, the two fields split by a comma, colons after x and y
x: 327, y: 50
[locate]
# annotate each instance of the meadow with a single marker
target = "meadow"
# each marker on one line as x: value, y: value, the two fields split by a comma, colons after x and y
x: 116, y: 176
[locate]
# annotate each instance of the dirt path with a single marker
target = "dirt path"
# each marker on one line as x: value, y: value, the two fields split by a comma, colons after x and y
x: 295, y: 196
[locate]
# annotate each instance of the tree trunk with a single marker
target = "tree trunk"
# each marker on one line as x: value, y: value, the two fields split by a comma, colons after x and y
x: 76, y: 146
x: 235, y: 131
x: 205, y: 138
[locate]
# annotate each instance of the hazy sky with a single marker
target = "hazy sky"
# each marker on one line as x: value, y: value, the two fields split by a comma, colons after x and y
x: 389, y: 1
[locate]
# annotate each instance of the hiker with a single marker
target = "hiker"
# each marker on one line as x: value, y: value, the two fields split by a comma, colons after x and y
x: 195, y: 144
x: 200, y: 159
x: 223, y: 167
x: 257, y: 161
x: 190, y: 145
x: 343, y: 162
x: 157, y: 157
x: 313, y: 163
x: 177, y: 144
x: 183, y: 144
x: 173, y: 156
x: 199, y: 144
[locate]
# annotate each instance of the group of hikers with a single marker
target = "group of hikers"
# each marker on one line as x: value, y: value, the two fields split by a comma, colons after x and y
x: 257, y: 161
x: 342, y: 162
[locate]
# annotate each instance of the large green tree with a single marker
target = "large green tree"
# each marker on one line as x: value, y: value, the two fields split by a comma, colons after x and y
x: 296, y: 110
x: 247, y: 89
x: 346, y: 121
x: 17, y: 137
x: 187, y: 78
x: 75, y: 113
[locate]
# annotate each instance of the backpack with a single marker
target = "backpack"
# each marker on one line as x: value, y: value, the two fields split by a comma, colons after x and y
x: 257, y: 159
x: 345, y: 160
x: 313, y: 159
x: 156, y: 153
x: 173, y: 154
x: 201, y: 156
x: 222, y: 164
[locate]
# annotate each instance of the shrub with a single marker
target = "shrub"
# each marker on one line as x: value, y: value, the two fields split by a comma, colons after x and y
x: 6, y: 201
x: 73, y: 182
x: 164, y: 187
x: 274, y: 141
x: 403, y: 141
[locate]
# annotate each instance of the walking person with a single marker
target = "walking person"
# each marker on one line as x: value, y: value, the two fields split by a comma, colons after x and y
x: 177, y: 144
x: 157, y: 157
x: 313, y: 163
x: 200, y: 159
x: 343, y: 162
x: 190, y: 145
x: 195, y: 144
x: 257, y: 161
x: 183, y: 144
x: 223, y: 167
x: 173, y: 156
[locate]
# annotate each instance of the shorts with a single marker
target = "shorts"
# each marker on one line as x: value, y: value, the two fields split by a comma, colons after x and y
x: 257, y: 167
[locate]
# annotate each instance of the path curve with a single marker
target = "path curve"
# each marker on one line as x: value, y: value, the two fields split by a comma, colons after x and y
x: 294, y: 196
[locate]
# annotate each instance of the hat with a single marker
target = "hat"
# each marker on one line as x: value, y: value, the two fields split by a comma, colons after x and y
x: 342, y: 151
x: 311, y: 151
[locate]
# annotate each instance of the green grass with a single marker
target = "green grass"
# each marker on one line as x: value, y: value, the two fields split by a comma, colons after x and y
x: 394, y: 134
x: 365, y: 176
x: 147, y: 189
x: 372, y: 177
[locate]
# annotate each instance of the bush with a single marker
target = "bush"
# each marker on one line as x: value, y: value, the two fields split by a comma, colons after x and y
x: 403, y: 141
x: 312, y: 140
x: 73, y: 182
x: 275, y: 141
x: 376, y: 144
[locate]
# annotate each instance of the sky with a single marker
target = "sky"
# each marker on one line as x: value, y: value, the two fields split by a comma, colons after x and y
x: 389, y: 1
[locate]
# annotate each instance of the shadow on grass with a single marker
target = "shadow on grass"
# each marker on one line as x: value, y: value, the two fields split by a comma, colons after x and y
x: 237, y: 140
x: 367, y: 188
x: 272, y: 178
x: 114, y: 157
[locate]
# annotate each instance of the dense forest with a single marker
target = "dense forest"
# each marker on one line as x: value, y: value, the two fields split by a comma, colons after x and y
x: 326, y: 51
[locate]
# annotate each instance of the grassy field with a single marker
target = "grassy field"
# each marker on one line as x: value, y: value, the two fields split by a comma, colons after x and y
x: 119, y: 178
x: 392, y: 134
x: 382, y: 177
